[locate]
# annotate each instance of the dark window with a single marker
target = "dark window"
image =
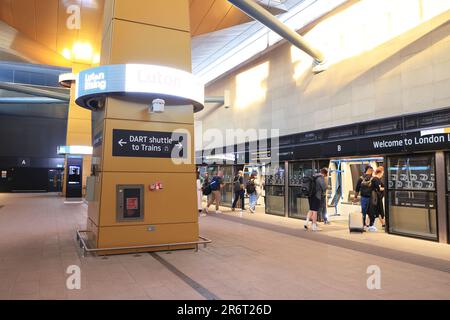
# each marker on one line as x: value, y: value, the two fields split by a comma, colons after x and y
x: 410, y: 123
x: 341, y: 133
x: 374, y: 128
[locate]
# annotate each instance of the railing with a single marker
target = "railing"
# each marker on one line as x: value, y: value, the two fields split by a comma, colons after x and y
x: 85, y: 249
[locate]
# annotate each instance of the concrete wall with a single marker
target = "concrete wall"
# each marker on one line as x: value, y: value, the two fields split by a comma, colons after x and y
x: 386, y: 58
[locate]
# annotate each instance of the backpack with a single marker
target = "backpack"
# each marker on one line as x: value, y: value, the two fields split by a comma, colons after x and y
x: 214, y: 185
x: 366, y: 186
x: 237, y: 185
x: 308, y: 186
x: 207, y: 190
x: 251, y: 188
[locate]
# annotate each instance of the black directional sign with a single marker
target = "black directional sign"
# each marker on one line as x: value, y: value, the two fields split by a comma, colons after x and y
x: 149, y: 144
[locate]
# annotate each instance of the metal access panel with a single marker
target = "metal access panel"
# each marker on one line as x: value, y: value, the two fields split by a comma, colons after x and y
x: 130, y: 203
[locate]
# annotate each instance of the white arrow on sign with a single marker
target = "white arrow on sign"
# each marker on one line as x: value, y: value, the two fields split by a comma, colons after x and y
x: 179, y: 145
x: 122, y: 143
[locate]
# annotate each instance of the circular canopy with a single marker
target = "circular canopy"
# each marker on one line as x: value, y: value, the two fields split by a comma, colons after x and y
x: 150, y: 82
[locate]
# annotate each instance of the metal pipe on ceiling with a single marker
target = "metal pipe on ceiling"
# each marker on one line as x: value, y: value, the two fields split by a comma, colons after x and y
x: 30, y: 100
x: 34, y: 91
x: 263, y: 16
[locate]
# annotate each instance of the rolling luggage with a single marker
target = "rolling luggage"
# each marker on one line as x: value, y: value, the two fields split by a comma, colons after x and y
x: 355, y: 223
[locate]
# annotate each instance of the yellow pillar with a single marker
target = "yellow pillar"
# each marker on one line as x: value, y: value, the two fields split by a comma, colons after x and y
x: 143, y: 32
x: 79, y: 128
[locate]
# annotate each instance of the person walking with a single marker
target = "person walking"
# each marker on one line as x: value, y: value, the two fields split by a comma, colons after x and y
x: 216, y: 186
x: 253, y: 191
x: 382, y: 218
x: 199, y: 194
x: 239, y: 192
x: 375, y: 208
x: 363, y: 188
x: 315, y: 200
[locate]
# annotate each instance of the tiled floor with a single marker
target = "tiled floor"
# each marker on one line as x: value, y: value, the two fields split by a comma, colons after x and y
x: 245, y: 261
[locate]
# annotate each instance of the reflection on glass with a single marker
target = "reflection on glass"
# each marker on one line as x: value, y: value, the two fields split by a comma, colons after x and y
x: 412, y: 196
x: 448, y: 173
x: 275, y: 175
x: 448, y: 191
x: 413, y: 213
x: 274, y: 200
x: 298, y: 206
x: 411, y: 173
x: 298, y: 170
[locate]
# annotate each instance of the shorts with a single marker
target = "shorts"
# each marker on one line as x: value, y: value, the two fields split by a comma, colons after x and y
x: 314, y: 203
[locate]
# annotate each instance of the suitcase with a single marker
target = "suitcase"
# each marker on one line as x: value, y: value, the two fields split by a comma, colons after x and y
x: 355, y: 222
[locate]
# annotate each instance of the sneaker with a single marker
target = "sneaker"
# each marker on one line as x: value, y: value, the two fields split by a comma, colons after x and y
x: 203, y: 215
x: 327, y: 222
x: 206, y: 210
x: 372, y: 229
x: 251, y: 210
x: 233, y: 209
x: 315, y: 228
x: 305, y: 227
x: 218, y: 211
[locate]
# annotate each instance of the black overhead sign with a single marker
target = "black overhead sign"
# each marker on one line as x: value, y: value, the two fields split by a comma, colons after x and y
x: 406, y: 142
x: 149, y: 144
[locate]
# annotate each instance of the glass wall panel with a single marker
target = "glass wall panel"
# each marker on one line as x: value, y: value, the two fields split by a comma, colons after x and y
x: 412, y: 196
x: 448, y: 193
x: 274, y: 189
x: 298, y: 205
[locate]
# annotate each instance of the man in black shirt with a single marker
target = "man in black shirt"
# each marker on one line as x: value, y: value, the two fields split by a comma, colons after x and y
x: 363, y: 187
x: 239, y: 192
x: 375, y: 208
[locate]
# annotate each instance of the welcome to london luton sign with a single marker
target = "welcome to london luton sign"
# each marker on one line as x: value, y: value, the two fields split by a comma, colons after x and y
x: 425, y: 140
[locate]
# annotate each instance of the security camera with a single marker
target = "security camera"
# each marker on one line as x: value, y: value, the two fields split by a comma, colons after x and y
x: 157, y: 106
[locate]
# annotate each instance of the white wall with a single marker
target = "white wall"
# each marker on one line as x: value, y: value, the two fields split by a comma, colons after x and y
x: 386, y: 58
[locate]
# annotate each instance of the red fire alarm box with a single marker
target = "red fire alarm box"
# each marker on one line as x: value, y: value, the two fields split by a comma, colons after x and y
x: 130, y: 202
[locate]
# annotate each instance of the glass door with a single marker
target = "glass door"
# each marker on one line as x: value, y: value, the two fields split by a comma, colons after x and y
x: 227, y: 191
x: 447, y: 160
x: 412, y: 196
x: 298, y: 205
x: 274, y: 189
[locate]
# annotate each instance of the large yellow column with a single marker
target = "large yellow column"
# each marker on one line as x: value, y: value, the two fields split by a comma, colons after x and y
x: 144, y: 32
x: 79, y: 128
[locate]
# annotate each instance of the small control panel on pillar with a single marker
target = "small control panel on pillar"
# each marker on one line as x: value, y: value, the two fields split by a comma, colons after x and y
x: 130, y: 203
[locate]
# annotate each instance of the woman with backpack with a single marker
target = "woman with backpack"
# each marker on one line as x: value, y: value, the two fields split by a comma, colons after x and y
x: 239, y: 192
x: 253, y: 188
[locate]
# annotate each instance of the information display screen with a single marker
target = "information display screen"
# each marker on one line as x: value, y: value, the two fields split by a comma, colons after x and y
x: 74, y: 175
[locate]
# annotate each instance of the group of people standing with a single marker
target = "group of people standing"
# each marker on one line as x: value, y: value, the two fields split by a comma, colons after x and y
x: 371, y: 187
x: 212, y: 189
x: 253, y: 189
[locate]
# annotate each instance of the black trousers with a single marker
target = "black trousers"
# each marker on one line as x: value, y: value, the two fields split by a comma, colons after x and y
x: 239, y: 195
